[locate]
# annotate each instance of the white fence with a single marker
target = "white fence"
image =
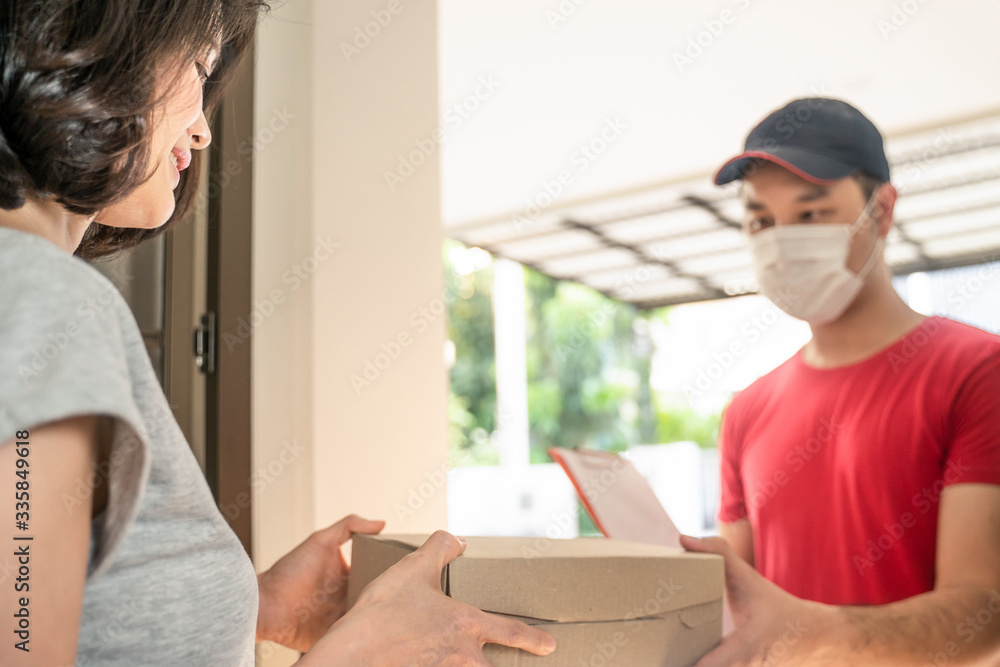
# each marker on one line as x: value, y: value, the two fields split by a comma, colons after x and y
x: 539, y: 500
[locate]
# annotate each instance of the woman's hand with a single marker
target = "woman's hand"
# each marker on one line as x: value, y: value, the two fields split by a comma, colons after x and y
x: 403, y: 618
x: 305, y: 592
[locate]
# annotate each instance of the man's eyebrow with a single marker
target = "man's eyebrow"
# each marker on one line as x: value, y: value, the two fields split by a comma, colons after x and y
x: 813, y: 193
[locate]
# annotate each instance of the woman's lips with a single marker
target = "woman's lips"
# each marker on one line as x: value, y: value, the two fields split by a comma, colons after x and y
x: 183, y: 158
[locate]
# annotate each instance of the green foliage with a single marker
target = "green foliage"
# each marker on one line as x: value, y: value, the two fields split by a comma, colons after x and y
x: 581, y: 358
x: 585, y: 524
x: 473, y: 394
x: 588, y: 369
x: 676, y: 421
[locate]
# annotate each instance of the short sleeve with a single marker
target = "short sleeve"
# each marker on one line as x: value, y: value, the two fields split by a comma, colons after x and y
x: 973, y: 454
x: 732, y: 505
x: 63, y: 355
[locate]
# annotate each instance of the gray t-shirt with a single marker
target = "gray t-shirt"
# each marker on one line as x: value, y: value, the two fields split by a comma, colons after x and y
x: 168, y: 582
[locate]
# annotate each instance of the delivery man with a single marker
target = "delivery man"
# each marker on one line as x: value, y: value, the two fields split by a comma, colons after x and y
x: 860, y: 513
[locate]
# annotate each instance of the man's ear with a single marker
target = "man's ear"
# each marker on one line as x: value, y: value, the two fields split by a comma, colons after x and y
x: 884, y: 207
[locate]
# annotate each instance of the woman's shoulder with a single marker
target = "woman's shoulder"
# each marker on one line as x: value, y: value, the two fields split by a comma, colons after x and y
x: 49, y: 298
x: 33, y: 268
x: 65, y: 334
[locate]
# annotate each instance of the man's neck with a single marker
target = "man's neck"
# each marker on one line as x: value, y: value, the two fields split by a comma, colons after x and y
x: 49, y: 221
x: 876, y: 319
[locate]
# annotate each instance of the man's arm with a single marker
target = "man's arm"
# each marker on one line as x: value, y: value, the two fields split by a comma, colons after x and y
x: 958, y: 623
x: 739, y: 535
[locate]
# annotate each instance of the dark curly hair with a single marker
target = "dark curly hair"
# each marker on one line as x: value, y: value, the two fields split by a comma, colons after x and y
x: 78, y: 82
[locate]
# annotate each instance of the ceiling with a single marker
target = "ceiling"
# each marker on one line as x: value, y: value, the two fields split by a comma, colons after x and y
x: 681, y: 242
x: 639, y: 219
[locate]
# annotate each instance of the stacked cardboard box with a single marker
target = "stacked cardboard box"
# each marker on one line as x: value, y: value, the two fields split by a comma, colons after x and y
x: 606, y: 602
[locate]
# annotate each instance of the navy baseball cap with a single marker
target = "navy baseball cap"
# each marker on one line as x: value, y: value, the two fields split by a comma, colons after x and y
x: 818, y: 138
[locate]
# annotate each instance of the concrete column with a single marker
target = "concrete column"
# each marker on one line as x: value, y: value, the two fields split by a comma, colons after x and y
x: 509, y: 325
x: 349, y: 375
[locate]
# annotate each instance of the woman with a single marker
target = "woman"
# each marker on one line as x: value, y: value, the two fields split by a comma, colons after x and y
x: 119, y: 554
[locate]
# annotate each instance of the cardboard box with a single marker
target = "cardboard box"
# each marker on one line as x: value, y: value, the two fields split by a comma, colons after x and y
x: 607, y: 602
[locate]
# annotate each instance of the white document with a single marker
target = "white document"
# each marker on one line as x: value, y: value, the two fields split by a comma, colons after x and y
x: 621, y: 502
x: 618, y: 498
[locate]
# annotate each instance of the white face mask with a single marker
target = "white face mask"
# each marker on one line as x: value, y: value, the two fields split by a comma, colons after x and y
x: 802, y: 268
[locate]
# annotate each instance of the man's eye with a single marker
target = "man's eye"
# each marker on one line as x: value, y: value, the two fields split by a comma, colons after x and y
x: 814, y: 214
x: 757, y: 224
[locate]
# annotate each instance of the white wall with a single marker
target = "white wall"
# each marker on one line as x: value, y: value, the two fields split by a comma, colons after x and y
x: 327, y: 127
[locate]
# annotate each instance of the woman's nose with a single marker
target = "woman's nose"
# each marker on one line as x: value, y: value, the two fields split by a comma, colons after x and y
x: 201, y: 136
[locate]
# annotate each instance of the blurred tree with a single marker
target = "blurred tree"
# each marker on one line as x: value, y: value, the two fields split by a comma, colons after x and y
x: 582, y: 379
x: 473, y: 392
x: 588, y: 357
x: 677, y: 421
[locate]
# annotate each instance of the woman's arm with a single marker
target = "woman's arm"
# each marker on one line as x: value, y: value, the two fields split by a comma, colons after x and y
x: 44, y: 577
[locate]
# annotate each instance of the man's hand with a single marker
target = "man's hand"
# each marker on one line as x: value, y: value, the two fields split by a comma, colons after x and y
x: 773, y: 627
x: 403, y: 618
x: 305, y: 592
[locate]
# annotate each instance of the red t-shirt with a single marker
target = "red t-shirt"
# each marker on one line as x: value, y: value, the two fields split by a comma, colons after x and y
x: 840, y: 470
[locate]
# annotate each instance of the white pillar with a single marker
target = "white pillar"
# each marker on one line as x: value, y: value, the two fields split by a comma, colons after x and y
x: 349, y: 364
x: 920, y: 293
x: 510, y: 330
